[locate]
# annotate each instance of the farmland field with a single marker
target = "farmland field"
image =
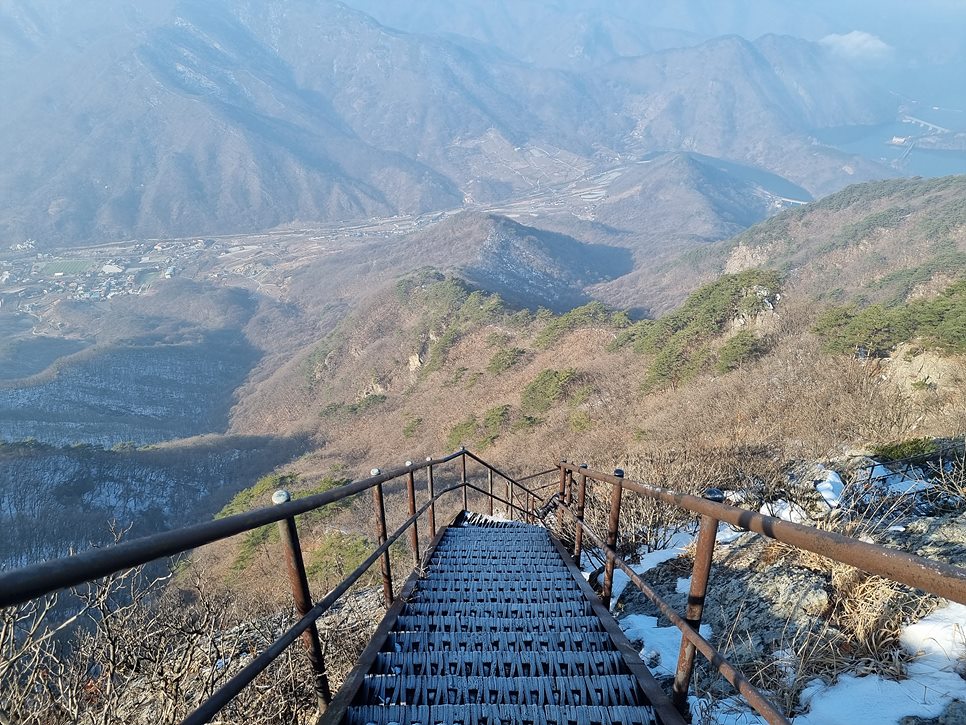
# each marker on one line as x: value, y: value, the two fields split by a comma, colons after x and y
x: 69, y: 266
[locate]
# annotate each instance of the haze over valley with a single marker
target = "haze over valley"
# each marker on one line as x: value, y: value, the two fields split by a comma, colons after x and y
x: 202, y: 200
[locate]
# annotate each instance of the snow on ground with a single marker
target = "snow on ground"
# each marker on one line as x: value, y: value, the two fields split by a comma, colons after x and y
x: 934, y: 679
x: 661, y: 645
x: 931, y: 683
x: 647, y: 561
x: 829, y: 485
x: 782, y: 509
x: 895, y: 483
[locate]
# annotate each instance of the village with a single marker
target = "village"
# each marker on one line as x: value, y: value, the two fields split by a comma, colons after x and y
x: 31, y: 280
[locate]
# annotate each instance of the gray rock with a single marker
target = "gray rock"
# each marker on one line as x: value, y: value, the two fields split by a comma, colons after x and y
x: 954, y: 714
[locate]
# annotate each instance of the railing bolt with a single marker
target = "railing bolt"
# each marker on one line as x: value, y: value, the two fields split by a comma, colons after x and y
x: 612, y: 528
x: 700, y: 573
x: 303, y: 599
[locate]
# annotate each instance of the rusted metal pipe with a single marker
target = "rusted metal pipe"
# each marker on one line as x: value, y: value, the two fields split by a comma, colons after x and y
x: 303, y: 600
x: 754, y: 697
x: 414, y: 531
x: 498, y: 499
x: 489, y: 486
x: 380, y: 509
x: 569, y: 491
x: 613, y: 522
x: 21, y: 585
x: 432, y: 501
x: 936, y: 577
x: 510, y: 496
x: 466, y: 505
x: 700, y: 572
x: 563, y: 478
x: 227, y: 692
x: 581, y: 498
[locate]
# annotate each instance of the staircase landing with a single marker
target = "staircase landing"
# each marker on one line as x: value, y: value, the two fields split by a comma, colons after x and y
x: 501, y: 628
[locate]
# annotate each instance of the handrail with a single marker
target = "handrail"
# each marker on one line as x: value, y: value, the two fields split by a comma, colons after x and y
x: 21, y: 585
x: 936, y: 577
x: 939, y: 578
x: 236, y: 684
x: 711, y: 653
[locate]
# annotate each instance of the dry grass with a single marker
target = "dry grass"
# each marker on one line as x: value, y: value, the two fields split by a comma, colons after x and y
x: 137, y: 653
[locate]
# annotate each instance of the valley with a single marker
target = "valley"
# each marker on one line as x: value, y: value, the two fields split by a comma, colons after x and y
x: 258, y: 244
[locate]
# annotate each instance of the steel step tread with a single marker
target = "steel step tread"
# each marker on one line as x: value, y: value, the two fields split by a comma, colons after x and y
x: 500, y: 663
x: 498, y: 630
x: 476, y: 597
x: 491, y: 577
x: 498, y: 624
x: 500, y: 715
x: 497, y: 641
x: 607, y: 690
x: 430, y: 607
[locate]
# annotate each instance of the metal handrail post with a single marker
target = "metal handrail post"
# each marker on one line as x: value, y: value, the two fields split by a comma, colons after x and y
x: 700, y: 573
x: 466, y: 506
x: 385, y: 565
x: 489, y: 486
x: 414, y: 531
x: 432, y: 506
x: 303, y: 599
x: 612, y: 527
x: 510, y: 497
x: 581, y: 498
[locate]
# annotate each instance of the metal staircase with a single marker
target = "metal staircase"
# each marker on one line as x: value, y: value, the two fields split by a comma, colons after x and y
x: 500, y: 628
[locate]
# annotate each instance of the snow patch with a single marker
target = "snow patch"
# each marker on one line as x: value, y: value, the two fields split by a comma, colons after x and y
x: 647, y: 561
x: 661, y: 645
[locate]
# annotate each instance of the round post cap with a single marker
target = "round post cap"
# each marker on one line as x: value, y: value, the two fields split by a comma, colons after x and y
x: 374, y: 472
x: 281, y: 496
x: 619, y: 472
x: 408, y: 464
x: 714, y: 494
x: 584, y: 465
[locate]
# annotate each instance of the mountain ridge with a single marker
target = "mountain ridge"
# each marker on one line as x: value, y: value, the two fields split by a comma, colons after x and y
x: 190, y: 119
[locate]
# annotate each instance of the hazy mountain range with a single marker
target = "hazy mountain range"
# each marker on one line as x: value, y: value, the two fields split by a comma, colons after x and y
x: 184, y: 118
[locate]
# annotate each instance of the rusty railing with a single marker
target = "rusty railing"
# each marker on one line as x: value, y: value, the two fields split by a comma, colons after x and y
x: 21, y: 585
x: 938, y: 578
x: 519, y: 499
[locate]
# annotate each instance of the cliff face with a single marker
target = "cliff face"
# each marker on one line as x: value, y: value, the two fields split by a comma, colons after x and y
x: 138, y: 393
x: 54, y: 499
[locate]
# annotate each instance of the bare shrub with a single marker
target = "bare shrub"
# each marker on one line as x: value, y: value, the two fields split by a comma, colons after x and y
x: 138, y: 651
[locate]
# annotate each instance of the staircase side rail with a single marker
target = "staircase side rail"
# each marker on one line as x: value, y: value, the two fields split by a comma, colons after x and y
x: 944, y: 580
x: 21, y: 585
x: 754, y: 697
x: 936, y: 577
x: 208, y: 709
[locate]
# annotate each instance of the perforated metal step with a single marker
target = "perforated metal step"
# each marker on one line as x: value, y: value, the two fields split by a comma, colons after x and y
x: 498, y: 630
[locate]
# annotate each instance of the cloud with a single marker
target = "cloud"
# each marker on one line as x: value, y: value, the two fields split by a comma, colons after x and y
x: 858, y: 45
